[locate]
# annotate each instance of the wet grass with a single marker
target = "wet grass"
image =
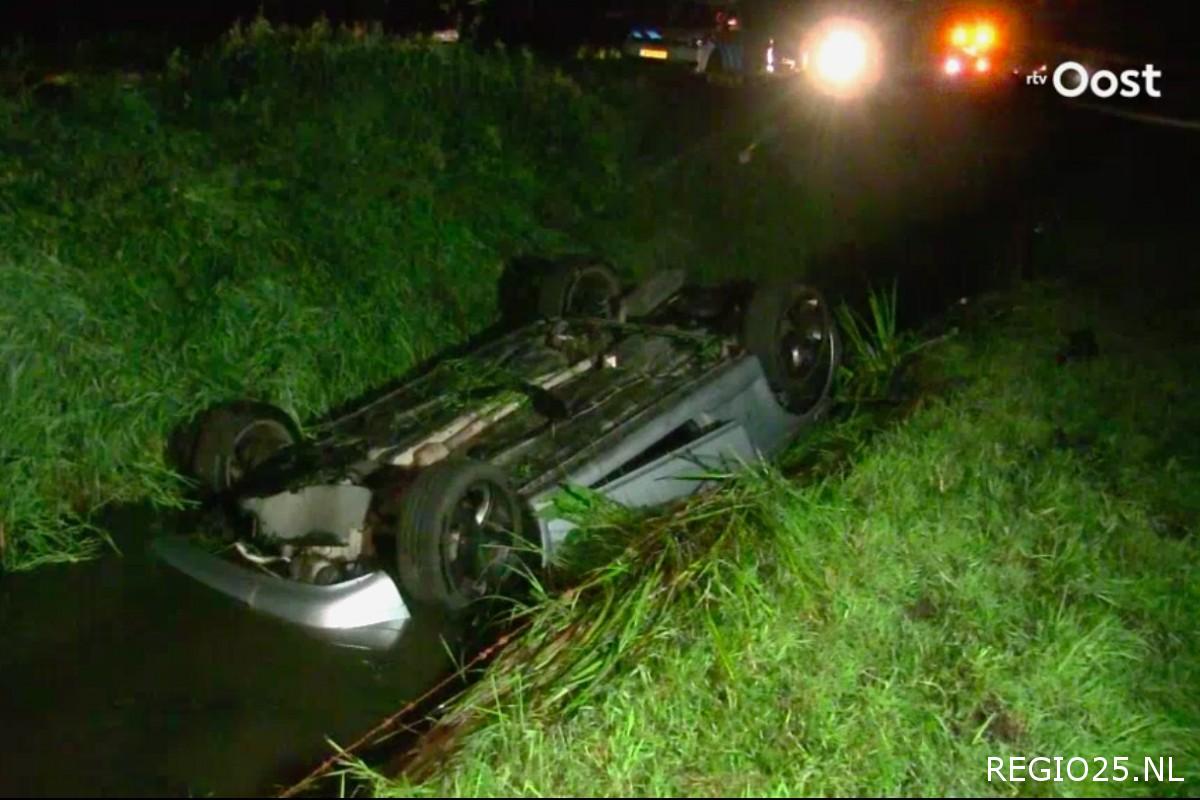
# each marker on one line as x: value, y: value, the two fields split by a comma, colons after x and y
x: 876, y: 349
x: 1009, y: 570
x: 294, y: 215
x: 300, y: 216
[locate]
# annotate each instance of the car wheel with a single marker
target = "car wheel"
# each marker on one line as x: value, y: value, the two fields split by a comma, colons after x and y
x: 233, y: 438
x: 579, y: 289
x: 459, y: 534
x: 790, y: 328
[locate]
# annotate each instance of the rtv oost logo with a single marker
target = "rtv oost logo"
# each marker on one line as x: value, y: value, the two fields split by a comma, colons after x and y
x: 1072, y: 79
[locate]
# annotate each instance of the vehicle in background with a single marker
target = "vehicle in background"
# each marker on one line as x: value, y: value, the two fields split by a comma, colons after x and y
x: 847, y: 49
x: 843, y: 48
x: 981, y: 45
x: 683, y: 33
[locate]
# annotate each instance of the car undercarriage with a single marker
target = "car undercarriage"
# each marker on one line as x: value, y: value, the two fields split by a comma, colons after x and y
x: 444, y: 482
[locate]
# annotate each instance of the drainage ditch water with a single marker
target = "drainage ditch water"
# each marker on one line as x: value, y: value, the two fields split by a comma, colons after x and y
x: 123, y: 678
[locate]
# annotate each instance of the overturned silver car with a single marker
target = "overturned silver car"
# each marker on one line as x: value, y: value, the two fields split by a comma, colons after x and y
x: 437, y: 491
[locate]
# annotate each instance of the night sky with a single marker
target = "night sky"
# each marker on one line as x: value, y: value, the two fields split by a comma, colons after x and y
x: 1159, y: 31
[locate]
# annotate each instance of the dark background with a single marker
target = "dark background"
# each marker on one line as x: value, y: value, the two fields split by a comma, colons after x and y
x: 1163, y: 30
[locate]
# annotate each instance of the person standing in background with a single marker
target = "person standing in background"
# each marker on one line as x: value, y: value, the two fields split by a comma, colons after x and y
x: 744, y: 34
x: 729, y: 44
x: 708, y: 46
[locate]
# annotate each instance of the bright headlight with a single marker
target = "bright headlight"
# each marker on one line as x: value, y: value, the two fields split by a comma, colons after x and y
x: 843, y: 57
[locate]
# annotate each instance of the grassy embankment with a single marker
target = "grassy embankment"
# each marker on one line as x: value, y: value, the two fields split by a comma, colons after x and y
x: 1011, y: 569
x: 301, y: 216
x: 294, y: 216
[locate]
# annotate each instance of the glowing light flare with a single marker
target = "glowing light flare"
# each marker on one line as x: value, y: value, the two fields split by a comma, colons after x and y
x: 953, y: 66
x: 975, y: 38
x: 982, y: 65
x: 843, y: 57
x: 985, y: 35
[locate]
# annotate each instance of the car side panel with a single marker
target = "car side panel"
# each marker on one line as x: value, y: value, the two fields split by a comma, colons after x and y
x: 752, y: 426
x: 682, y: 472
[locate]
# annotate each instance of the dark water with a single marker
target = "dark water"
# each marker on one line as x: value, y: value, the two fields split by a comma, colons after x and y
x: 122, y: 677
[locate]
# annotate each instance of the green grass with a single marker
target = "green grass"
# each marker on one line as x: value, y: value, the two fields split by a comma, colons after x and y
x: 298, y: 216
x: 1009, y: 570
x: 294, y: 215
x: 875, y: 348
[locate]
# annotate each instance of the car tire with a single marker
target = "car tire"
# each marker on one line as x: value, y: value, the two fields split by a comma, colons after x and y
x: 579, y: 289
x: 233, y: 438
x: 460, y: 534
x: 790, y: 328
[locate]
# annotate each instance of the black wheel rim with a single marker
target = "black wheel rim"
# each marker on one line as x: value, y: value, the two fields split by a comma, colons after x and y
x: 477, y: 539
x: 806, y: 349
x: 591, y: 294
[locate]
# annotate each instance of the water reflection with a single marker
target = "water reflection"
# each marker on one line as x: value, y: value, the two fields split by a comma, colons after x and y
x: 124, y: 677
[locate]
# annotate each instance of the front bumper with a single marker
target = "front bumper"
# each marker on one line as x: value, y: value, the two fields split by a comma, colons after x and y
x: 367, y: 610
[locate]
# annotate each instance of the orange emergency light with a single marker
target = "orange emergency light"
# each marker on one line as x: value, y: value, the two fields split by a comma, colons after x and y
x: 973, y: 38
